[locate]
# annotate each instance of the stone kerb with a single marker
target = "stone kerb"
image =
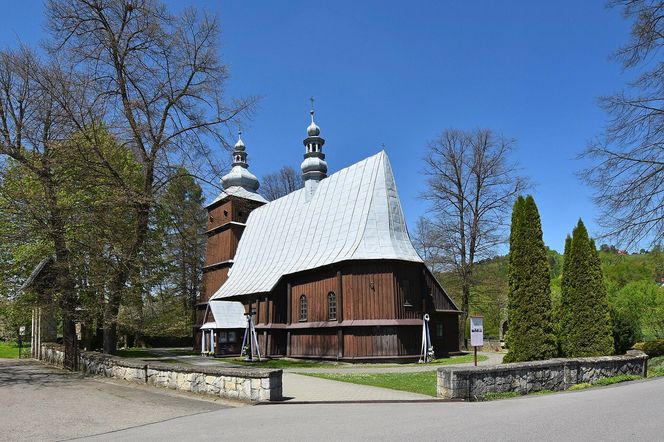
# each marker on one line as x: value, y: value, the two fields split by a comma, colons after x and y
x: 248, y: 384
x: 471, y: 383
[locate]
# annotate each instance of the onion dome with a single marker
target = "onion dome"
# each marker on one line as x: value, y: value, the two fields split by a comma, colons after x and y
x: 314, y: 167
x: 239, y: 176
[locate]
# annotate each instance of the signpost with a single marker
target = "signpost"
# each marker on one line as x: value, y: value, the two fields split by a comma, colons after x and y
x: 21, y: 333
x: 476, y: 333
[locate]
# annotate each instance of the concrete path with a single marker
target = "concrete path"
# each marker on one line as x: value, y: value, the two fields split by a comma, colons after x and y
x: 301, y: 388
x: 624, y: 412
x: 42, y: 403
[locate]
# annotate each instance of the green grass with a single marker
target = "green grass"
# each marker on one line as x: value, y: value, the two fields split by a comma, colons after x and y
x: 422, y: 382
x: 141, y: 353
x: 467, y: 358
x: 282, y: 363
x: 656, y: 367
x: 605, y: 381
x: 134, y: 353
x: 511, y: 394
x: 9, y: 349
x: 615, y: 379
x: 500, y: 395
x: 299, y: 363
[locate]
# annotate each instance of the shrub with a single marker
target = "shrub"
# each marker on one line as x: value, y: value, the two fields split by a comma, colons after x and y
x: 626, y: 329
x: 651, y: 348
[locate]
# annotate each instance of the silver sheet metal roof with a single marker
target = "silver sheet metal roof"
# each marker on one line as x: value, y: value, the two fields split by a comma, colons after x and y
x: 239, y: 192
x: 227, y: 314
x: 354, y: 214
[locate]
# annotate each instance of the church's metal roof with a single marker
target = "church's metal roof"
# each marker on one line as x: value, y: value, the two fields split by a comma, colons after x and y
x: 239, y: 192
x: 354, y: 214
x: 227, y: 314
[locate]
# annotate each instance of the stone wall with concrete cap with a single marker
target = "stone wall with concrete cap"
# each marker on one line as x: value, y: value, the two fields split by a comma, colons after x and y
x: 471, y: 383
x: 247, y: 384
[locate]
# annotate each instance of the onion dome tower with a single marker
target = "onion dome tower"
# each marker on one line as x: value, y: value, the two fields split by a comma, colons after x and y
x: 314, y: 167
x: 227, y: 218
x: 239, y: 181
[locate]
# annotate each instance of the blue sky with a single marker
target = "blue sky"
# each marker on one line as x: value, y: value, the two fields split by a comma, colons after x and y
x: 398, y: 73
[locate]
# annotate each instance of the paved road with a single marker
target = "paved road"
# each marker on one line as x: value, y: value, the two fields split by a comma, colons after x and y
x: 622, y: 412
x: 42, y: 403
x: 33, y: 401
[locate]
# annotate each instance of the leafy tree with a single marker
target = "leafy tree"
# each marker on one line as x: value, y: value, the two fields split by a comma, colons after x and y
x: 645, y: 300
x: 531, y: 333
x: 585, y: 321
x: 155, y: 78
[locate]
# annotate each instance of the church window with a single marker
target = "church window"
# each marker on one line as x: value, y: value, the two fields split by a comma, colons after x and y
x: 331, y: 306
x: 407, y: 296
x: 439, y: 329
x: 303, y: 308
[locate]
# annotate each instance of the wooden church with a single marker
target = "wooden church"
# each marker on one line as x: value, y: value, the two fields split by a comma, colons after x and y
x: 328, y: 271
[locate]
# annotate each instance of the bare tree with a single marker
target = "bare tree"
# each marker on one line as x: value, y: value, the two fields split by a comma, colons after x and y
x: 31, y: 130
x: 471, y: 187
x: 427, y: 243
x: 281, y: 183
x: 628, y: 157
x: 156, y: 81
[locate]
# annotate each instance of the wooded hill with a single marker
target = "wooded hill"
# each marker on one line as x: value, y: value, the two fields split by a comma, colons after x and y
x: 633, y: 283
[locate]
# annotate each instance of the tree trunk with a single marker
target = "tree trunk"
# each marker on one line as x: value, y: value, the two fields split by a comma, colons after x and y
x: 110, y: 323
x: 463, y: 317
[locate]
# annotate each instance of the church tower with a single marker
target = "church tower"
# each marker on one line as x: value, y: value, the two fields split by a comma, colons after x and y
x: 314, y: 167
x: 227, y: 217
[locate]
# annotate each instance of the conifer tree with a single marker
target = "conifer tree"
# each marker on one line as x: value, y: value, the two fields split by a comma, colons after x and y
x: 531, y: 333
x: 585, y: 321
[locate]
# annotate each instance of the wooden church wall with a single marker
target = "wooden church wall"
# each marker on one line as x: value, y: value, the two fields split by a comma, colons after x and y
x: 368, y: 291
x: 315, y: 287
x: 223, y: 245
x: 212, y: 280
x: 385, y: 342
x: 321, y: 343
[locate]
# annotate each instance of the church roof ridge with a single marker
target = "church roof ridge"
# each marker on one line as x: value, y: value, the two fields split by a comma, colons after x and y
x: 354, y: 214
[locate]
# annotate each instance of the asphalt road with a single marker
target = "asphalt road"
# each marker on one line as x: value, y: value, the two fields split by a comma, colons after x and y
x: 628, y: 412
x: 102, y: 411
x: 42, y: 403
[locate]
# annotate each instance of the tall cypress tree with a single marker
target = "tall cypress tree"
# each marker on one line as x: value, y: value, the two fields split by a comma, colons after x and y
x: 530, y: 335
x: 585, y: 321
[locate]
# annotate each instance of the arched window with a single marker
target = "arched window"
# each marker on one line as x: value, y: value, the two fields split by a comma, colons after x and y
x: 303, y: 308
x: 331, y: 306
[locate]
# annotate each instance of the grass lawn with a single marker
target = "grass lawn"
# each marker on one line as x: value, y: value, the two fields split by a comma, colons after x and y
x: 134, y: 353
x: 467, y: 358
x: 422, y: 382
x: 656, y: 366
x: 141, y: 353
x: 299, y: 363
x: 9, y: 349
x: 282, y: 363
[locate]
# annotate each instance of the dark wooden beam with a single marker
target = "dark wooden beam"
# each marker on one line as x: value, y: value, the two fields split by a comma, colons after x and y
x: 289, y: 313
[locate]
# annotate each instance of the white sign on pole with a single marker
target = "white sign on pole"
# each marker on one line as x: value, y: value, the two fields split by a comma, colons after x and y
x: 21, y: 330
x: 476, y: 331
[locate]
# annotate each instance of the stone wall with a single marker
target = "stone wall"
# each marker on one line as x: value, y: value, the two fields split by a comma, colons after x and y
x: 471, y: 383
x: 248, y: 384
